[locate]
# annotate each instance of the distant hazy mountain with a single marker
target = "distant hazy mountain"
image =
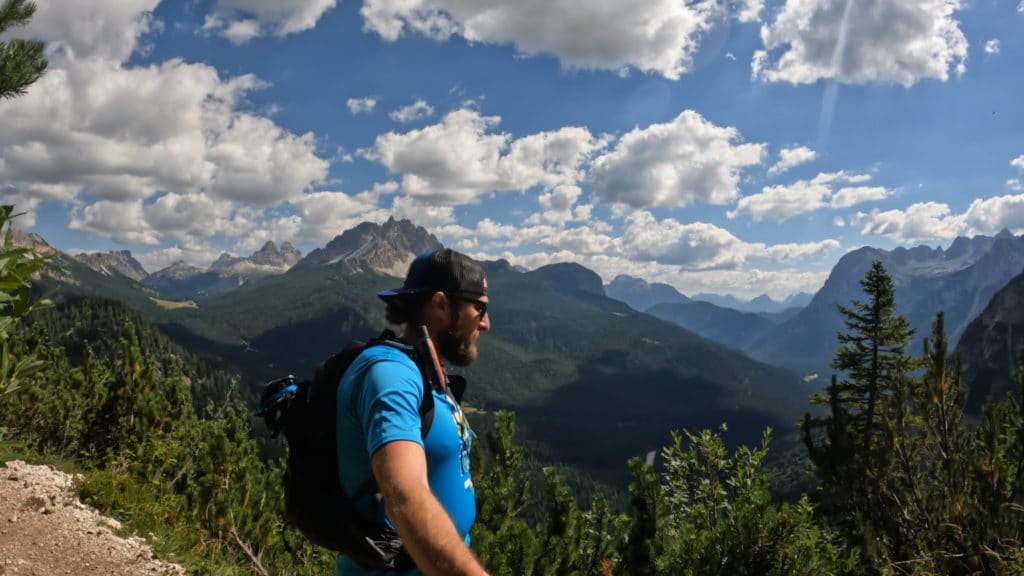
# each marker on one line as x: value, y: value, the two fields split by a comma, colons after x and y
x: 991, y: 343
x: 640, y: 295
x: 959, y: 281
x: 387, y: 248
x: 119, y: 261
x: 726, y: 326
x: 570, y: 278
x: 762, y: 303
x: 267, y: 260
x: 181, y: 281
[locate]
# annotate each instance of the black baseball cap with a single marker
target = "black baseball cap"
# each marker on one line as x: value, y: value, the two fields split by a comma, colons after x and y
x: 443, y: 270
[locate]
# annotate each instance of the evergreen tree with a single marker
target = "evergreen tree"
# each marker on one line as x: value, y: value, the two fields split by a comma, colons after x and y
x: 858, y: 442
x: 21, y: 61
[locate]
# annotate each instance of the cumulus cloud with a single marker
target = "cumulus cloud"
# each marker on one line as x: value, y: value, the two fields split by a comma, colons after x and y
x: 700, y: 246
x: 121, y: 221
x: 361, y: 105
x: 992, y: 46
x: 1018, y: 162
x: 686, y: 161
x: 242, y: 20
x: 693, y: 246
x: 781, y: 203
x: 749, y: 10
x: 460, y: 158
x: 991, y: 215
x: 887, y: 41
x: 558, y: 206
x: 418, y: 110
x: 922, y: 222
x: 657, y: 36
x: 102, y: 30
x: 851, y: 196
x: 163, y: 151
x: 124, y: 134
x: 200, y: 255
x: 790, y: 158
x: 779, y: 253
x: 428, y: 216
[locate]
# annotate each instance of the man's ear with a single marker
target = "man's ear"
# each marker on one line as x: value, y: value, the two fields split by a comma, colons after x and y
x: 439, y: 301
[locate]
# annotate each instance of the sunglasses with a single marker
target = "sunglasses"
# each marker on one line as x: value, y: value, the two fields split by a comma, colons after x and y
x: 479, y: 305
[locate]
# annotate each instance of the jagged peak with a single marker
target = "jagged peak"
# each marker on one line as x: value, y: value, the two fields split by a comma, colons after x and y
x: 387, y: 248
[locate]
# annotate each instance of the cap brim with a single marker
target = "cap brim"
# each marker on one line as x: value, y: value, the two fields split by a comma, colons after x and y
x: 386, y: 295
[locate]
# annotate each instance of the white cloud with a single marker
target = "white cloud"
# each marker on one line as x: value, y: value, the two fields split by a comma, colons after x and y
x: 656, y: 36
x: 838, y: 222
x: 418, y: 110
x: 121, y: 221
x: 199, y: 255
x: 674, y: 164
x: 109, y: 30
x: 851, y: 196
x: 887, y: 41
x: 429, y: 217
x: 558, y: 206
x: 128, y: 133
x: 693, y: 246
x: 922, y: 222
x: 749, y: 10
x: 991, y: 215
x: 790, y: 158
x: 242, y: 20
x: 782, y: 202
x: 992, y: 46
x: 460, y: 159
x: 361, y: 105
x: 1020, y: 7
x: 1015, y: 184
x: 1018, y: 162
x: 779, y: 253
x: 323, y: 215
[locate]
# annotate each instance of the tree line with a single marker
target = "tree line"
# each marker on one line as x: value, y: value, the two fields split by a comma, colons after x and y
x: 908, y: 482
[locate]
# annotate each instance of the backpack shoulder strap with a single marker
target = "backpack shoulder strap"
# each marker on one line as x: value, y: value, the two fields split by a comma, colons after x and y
x: 426, y: 410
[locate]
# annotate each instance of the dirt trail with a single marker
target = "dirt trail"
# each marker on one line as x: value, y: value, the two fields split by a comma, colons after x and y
x: 45, y: 530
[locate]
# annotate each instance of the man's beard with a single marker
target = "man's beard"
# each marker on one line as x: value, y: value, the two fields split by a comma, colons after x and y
x: 456, y: 349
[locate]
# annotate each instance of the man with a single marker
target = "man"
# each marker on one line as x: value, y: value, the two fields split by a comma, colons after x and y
x: 424, y: 483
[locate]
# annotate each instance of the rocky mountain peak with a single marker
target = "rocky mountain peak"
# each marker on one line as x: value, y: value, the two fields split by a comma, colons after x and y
x: 120, y: 261
x: 387, y: 248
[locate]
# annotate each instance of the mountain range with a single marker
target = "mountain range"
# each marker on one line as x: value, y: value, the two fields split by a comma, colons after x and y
x: 959, y: 281
x: 572, y: 363
x: 571, y: 360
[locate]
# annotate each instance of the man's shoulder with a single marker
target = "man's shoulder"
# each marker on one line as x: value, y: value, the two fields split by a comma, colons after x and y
x: 387, y: 362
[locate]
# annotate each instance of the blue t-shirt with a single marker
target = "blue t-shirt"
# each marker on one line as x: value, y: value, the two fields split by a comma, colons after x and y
x: 379, y: 399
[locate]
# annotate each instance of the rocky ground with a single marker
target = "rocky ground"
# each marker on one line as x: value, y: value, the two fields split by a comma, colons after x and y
x: 46, y: 530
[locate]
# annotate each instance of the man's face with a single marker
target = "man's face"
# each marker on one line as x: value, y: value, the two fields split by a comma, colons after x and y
x: 469, y: 318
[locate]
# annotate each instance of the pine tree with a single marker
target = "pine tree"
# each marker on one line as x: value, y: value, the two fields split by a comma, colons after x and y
x: 858, y: 442
x: 21, y: 61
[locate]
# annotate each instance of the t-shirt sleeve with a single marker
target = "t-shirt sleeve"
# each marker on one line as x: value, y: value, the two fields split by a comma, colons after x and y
x: 388, y: 404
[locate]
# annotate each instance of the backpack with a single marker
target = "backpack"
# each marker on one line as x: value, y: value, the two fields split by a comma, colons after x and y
x: 315, y: 503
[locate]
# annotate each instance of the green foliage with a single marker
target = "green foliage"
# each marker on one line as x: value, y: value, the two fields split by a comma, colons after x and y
x: 712, y: 513
x: 17, y: 265
x: 21, y: 61
x: 904, y: 478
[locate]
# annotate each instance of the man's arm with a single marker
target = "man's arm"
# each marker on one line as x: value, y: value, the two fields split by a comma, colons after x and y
x: 400, y: 468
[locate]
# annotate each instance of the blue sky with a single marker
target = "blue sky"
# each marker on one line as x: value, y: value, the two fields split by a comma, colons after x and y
x: 730, y: 147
